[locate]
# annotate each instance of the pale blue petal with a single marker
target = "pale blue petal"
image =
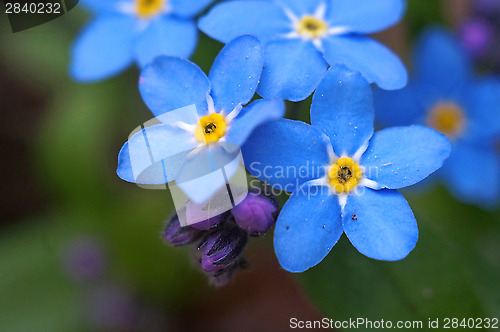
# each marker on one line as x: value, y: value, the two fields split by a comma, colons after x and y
x: 103, y: 6
x: 399, y: 157
x: 171, y: 83
x: 308, y: 227
x: 236, y: 72
x: 377, y: 63
x: 286, y: 153
x: 342, y: 108
x: 104, y: 48
x: 301, y: 7
x: 230, y: 19
x: 380, y: 224
x: 188, y: 8
x: 293, y: 69
x: 154, y: 155
x: 166, y: 36
x: 441, y: 62
x: 473, y: 174
x: 365, y: 16
x: 483, y: 109
x: 255, y: 114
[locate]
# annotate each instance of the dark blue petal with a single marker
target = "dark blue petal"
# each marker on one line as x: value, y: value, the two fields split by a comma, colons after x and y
x: 376, y: 62
x: 104, y: 48
x: 473, y: 174
x: 236, y: 72
x: 441, y: 62
x: 293, y: 69
x: 308, y: 227
x: 188, y: 8
x: 255, y: 114
x: 154, y: 155
x: 170, y: 83
x: 380, y: 224
x: 399, y: 157
x: 365, y: 16
x: 342, y: 108
x: 230, y: 19
x: 166, y: 36
x: 286, y: 153
x: 399, y: 108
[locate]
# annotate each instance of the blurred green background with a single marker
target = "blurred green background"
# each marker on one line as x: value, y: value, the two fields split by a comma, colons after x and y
x: 59, y: 143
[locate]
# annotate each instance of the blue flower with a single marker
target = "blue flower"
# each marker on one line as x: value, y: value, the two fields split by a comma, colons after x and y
x: 186, y: 144
x: 302, y: 38
x: 444, y: 95
x: 128, y: 31
x: 342, y: 179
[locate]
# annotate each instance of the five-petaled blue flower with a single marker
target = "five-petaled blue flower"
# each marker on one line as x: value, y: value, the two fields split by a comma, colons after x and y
x: 445, y: 96
x: 169, y: 86
x: 303, y: 37
x: 128, y: 31
x: 342, y: 179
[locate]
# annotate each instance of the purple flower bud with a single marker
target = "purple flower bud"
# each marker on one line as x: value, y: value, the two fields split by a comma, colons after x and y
x: 177, y: 235
x: 477, y: 36
x: 210, y: 223
x: 256, y: 214
x: 221, y: 248
x: 223, y: 278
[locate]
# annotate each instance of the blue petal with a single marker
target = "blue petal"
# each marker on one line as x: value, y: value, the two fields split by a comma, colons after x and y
x: 230, y: 19
x: 188, y: 8
x: 441, y: 63
x: 166, y: 36
x: 100, y: 6
x: 308, y: 227
x: 380, y: 224
x: 255, y: 114
x: 399, y: 157
x: 473, y: 174
x: 207, y: 170
x: 483, y: 108
x: 170, y: 83
x: 293, y: 69
x: 154, y: 155
x: 301, y: 7
x: 104, y: 48
x: 365, y: 16
x: 376, y: 63
x: 236, y: 72
x: 399, y: 108
x: 342, y: 108
x: 286, y: 153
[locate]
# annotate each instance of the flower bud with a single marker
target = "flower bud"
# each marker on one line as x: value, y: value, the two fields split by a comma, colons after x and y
x: 177, y: 235
x: 256, y: 213
x: 221, y: 248
x: 210, y: 223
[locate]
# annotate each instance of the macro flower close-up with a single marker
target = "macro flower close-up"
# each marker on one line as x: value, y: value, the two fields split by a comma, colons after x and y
x: 125, y: 32
x: 347, y: 180
x: 302, y: 38
x: 446, y: 95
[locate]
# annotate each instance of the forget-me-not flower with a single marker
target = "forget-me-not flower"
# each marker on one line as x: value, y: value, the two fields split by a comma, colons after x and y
x: 446, y: 96
x: 303, y: 37
x: 224, y: 116
x: 342, y: 179
x: 128, y: 31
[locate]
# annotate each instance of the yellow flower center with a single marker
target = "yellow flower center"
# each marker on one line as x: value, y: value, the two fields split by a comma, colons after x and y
x: 344, y: 175
x: 447, y: 118
x: 312, y: 27
x: 211, y: 128
x: 148, y: 8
